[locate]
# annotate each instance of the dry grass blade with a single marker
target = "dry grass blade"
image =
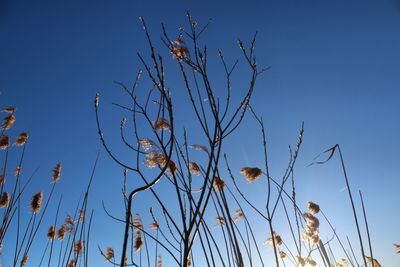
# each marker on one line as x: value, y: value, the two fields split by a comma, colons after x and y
x: 194, y: 168
x: 239, y: 215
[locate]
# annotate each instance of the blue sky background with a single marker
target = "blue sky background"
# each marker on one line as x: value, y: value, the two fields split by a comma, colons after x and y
x: 334, y: 65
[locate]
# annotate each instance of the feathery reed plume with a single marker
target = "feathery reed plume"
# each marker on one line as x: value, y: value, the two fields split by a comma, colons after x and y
x: 138, y: 240
x: 154, y: 159
x: 282, y: 255
x: 72, y: 263
x: 312, y: 207
x: 24, y: 260
x: 199, y: 147
x: 21, y: 139
x: 146, y: 144
x: 2, y: 180
x: 178, y: 50
x: 69, y: 223
x: 17, y: 171
x: 310, y: 262
x: 56, y: 173
x: 78, y: 247
x: 220, y: 221
x: 194, y: 168
x: 51, y: 233
x: 251, y: 174
x: 300, y: 261
x: 96, y: 100
x: 218, y: 184
x: 9, y: 110
x: 137, y: 222
x: 4, y: 200
x: 161, y: 124
x: 397, y: 247
x: 61, y: 232
x: 342, y: 263
x: 4, y: 141
x: 239, y: 215
x: 36, y: 202
x: 81, y: 217
x: 311, y: 230
x: 277, y: 238
x: 159, y: 261
x: 154, y: 225
x: 8, y: 122
x: 373, y: 261
x: 109, y: 254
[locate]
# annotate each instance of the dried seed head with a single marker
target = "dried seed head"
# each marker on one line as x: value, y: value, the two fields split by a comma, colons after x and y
x: 9, y: 110
x: 179, y: 52
x: 342, y: 263
x: 96, y: 100
x: 239, y: 215
x: 146, y: 144
x: 171, y: 168
x: 81, y: 217
x: 282, y: 255
x: 252, y: 174
x: 159, y: 261
x: 4, y: 200
x: 161, y: 124
x: 61, y: 232
x: 78, y: 247
x: 397, y: 247
x: 137, y: 222
x: 109, y: 254
x: 17, y: 171
x: 220, y: 221
x: 24, y: 260
x: 312, y: 221
x: 373, y: 261
x: 4, y: 141
x: 310, y: 262
x: 69, y: 221
x: 218, y: 184
x: 21, y: 139
x: 36, y: 202
x: 56, y: 173
x: 194, y: 168
x: 72, y: 263
x: 2, y: 180
x: 51, y: 234
x: 154, y: 225
x: 154, y: 159
x: 138, y: 241
x: 199, y: 147
x: 312, y: 207
x: 274, y: 238
x: 8, y: 121
x: 300, y: 261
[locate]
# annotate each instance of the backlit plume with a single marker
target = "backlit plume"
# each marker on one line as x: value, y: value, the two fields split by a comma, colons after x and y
x: 251, y: 174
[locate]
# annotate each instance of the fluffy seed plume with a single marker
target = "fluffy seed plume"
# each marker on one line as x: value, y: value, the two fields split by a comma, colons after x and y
x: 300, y: 261
x: 17, y: 171
x: 282, y: 255
x: 24, y: 260
x: 2, y: 180
x: 275, y: 237
x: 8, y: 121
x: 194, y: 168
x: 374, y: 261
x: 36, y: 202
x: 9, y: 110
x: 218, y: 184
x: 312, y: 207
x: 137, y: 223
x: 61, y: 232
x: 56, y: 173
x: 21, y: 139
x: 51, y: 233
x: 159, y: 261
x: 146, y: 144
x: 109, y: 254
x: 220, y: 221
x: 199, y: 147
x: 161, y: 124
x: 154, y: 225
x: 78, y: 247
x: 310, y: 262
x: 138, y: 241
x: 251, y: 174
x: 4, y: 141
x: 239, y: 215
x: 72, y: 263
x: 4, y: 200
x: 342, y: 263
x: 179, y: 51
x: 397, y: 247
x: 154, y: 159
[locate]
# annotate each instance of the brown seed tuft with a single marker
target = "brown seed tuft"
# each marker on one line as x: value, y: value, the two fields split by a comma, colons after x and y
x: 275, y: 237
x: 36, y: 202
x: 61, y: 232
x: 146, y: 144
x: 24, y: 260
x: 159, y: 261
x: 17, y: 171
x: 252, y: 174
x: 51, y: 234
x: 9, y: 110
x: 218, y: 184
x: 8, y: 122
x: 4, y: 141
x: 78, y: 247
x: 21, y: 139
x: 109, y: 254
x: 239, y: 215
x: 56, y: 173
x: 138, y: 241
x: 397, y: 247
x: 4, y: 200
x: 161, y: 124
x: 194, y: 168
x: 312, y: 207
x: 72, y: 263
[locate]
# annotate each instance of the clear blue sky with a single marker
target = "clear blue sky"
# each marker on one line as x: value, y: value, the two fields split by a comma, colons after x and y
x: 334, y: 65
